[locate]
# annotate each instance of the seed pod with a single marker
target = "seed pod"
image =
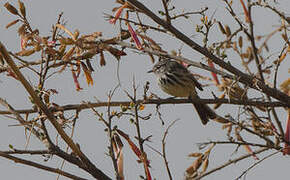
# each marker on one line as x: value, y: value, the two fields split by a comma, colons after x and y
x: 240, y: 42
x: 228, y: 31
x: 221, y: 28
x: 22, y: 8
x: 11, y: 8
x: 235, y: 46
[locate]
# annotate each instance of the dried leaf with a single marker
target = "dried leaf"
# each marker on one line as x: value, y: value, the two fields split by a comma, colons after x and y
x: 60, y: 26
x: 197, y: 163
x: 22, y: 8
x: 69, y: 54
x: 26, y: 52
x: 247, y: 15
x: 12, y: 23
x: 102, y: 59
x: 282, y: 57
x: 134, y: 37
x: 240, y: 41
x: 88, y: 75
x: 118, y: 14
x: 285, y: 86
x: 76, y: 82
x: 89, y: 65
x: 221, y: 28
x: 135, y: 149
x: 216, y: 80
x: 66, y: 41
x: 76, y: 34
x: 204, y: 165
x: 221, y: 120
x: 228, y: 31
x: 195, y: 155
x: 11, y: 8
x: 148, y: 174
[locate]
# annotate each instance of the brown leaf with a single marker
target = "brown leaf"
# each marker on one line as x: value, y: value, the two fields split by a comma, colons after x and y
x: 11, y: 8
x: 60, y: 26
x: 22, y: 8
x: 102, y: 59
x: 88, y: 75
x: 12, y: 23
x: 195, y: 155
x: 221, y: 28
x: 69, y: 54
x: 204, y: 165
x: 240, y: 41
x: 228, y: 31
x: 26, y: 52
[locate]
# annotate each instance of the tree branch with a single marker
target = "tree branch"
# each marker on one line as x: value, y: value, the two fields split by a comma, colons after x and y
x: 39, y: 166
x: 89, y: 105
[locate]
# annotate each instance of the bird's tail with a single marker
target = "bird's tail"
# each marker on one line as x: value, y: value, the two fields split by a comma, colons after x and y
x: 205, y: 113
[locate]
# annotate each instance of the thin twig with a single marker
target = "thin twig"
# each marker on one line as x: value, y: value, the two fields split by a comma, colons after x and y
x: 230, y: 162
x: 255, y: 164
x: 164, y: 150
x: 40, y: 166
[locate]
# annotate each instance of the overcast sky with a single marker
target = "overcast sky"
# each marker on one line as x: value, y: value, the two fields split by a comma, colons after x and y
x: 88, y: 16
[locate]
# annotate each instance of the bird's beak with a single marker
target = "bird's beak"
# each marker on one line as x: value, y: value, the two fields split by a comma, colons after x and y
x: 151, y: 71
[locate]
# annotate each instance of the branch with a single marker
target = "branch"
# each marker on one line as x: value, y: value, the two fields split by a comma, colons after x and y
x: 163, y: 148
x: 243, y: 78
x: 31, y: 152
x: 89, y: 105
x: 234, y: 142
x: 40, y: 166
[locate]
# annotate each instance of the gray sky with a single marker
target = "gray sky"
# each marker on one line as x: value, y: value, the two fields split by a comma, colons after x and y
x: 88, y: 17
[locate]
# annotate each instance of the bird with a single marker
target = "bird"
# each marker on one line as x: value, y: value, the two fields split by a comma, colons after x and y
x: 176, y: 80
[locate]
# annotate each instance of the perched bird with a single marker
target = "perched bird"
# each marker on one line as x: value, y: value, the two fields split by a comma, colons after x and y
x: 174, y: 79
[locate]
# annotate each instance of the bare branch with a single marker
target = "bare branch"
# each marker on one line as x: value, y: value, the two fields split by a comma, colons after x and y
x: 39, y: 166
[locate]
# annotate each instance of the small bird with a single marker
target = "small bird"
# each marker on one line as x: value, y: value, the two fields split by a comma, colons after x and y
x: 174, y: 79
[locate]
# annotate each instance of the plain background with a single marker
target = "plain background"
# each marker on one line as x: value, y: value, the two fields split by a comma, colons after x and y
x: 88, y: 17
